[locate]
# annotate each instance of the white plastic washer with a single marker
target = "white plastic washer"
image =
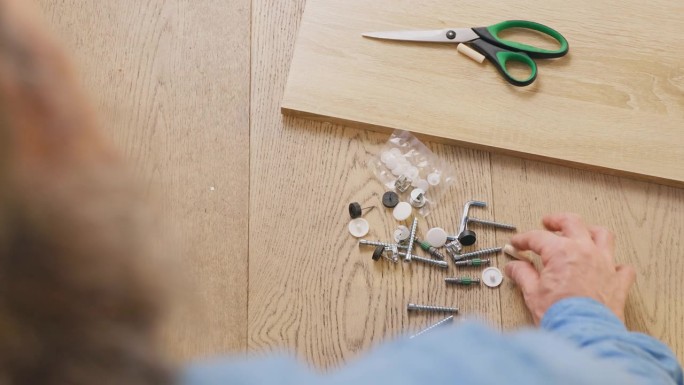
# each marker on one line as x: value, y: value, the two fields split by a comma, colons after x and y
x: 412, y: 173
x: 395, y: 151
x: 492, y: 277
x: 423, y: 185
x: 358, y: 227
x: 402, y: 211
x: 391, y: 163
x: 386, y: 157
x: 398, y: 169
x: 436, y: 237
x: 401, y: 234
x: 434, y: 179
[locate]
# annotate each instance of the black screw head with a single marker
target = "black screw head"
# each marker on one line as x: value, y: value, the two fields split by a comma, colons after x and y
x: 390, y: 199
x: 377, y: 253
x: 451, y: 35
x: 467, y: 238
x: 354, y: 210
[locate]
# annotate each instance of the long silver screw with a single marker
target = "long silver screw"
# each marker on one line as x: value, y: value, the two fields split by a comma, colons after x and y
x: 438, y: 324
x: 466, y: 281
x: 478, y: 253
x: 412, y: 236
x: 472, y: 262
x: 438, y: 309
x: 428, y: 261
x: 485, y: 222
x: 388, y: 245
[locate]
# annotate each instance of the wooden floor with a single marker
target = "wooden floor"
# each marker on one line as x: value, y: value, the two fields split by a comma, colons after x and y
x: 190, y: 91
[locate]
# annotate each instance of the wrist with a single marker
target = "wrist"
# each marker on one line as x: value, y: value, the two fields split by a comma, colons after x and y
x: 578, y: 310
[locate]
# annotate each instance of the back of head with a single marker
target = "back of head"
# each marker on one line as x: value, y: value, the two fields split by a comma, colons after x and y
x: 79, y: 300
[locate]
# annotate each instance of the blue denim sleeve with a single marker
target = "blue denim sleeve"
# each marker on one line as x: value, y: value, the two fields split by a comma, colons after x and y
x: 594, y: 328
x: 581, y: 342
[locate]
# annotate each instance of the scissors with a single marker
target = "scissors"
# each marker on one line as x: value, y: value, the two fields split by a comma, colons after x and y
x: 486, y: 40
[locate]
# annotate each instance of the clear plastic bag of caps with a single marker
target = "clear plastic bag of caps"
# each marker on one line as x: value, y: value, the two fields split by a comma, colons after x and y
x: 406, y: 159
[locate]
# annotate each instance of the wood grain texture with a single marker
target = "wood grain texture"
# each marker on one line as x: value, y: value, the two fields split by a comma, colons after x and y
x: 614, y: 104
x: 312, y: 289
x: 171, y: 82
x: 647, y: 221
x: 175, y: 97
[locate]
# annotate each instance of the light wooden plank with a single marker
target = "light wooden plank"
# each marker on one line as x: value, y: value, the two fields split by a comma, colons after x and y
x: 647, y: 220
x: 312, y: 289
x: 614, y: 104
x: 171, y: 82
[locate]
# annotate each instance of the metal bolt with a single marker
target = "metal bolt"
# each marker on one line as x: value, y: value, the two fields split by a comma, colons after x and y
x: 437, y: 309
x: 462, y: 281
x: 472, y: 262
x: 467, y: 237
x: 428, y: 261
x: 438, y: 324
x: 412, y: 236
x: 364, y: 242
x: 381, y: 251
x: 389, y: 247
x: 454, y: 247
x: 485, y: 222
x: 430, y: 249
x: 478, y: 253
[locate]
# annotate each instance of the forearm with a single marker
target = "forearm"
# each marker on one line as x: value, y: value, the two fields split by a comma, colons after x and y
x: 595, y: 328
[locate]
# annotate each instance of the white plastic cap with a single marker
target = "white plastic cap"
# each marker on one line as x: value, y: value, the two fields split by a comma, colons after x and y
x: 492, y: 277
x: 434, y: 179
x: 412, y: 173
x: 423, y: 185
x: 391, y: 163
x: 387, y: 156
x: 396, y: 152
x: 402, y: 211
x: 358, y: 227
x: 398, y: 169
x: 436, y: 237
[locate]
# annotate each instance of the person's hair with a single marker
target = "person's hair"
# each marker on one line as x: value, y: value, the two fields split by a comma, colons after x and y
x: 79, y: 297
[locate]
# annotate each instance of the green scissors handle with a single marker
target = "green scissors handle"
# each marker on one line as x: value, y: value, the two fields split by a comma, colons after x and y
x: 491, y: 35
x: 501, y: 51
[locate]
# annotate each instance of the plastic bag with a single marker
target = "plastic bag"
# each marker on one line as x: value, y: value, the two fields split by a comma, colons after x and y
x: 405, y: 165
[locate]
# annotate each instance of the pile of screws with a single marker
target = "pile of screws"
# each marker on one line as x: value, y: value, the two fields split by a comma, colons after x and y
x: 406, y: 238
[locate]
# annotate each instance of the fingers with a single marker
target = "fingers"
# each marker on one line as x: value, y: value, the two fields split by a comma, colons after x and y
x: 603, y: 238
x: 537, y: 241
x: 523, y: 274
x: 569, y: 224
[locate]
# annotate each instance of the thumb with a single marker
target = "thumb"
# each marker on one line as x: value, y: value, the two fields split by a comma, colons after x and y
x: 524, y: 274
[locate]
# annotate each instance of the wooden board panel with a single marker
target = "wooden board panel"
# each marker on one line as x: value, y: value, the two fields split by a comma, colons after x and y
x: 614, y: 104
x: 175, y: 98
x: 647, y: 221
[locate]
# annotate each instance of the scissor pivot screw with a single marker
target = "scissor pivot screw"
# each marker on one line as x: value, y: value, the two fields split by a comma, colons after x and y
x: 451, y: 35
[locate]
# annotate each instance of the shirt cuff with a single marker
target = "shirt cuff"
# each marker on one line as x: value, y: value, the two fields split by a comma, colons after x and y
x: 578, y: 314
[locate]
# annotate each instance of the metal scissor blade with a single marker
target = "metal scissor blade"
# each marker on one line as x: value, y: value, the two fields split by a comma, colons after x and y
x: 449, y: 35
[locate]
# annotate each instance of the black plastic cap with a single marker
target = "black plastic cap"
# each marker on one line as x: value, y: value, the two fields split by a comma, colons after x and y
x: 467, y: 238
x: 377, y: 253
x: 354, y: 210
x: 390, y: 199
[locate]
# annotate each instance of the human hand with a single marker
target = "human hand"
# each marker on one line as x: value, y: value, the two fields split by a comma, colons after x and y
x: 578, y: 262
